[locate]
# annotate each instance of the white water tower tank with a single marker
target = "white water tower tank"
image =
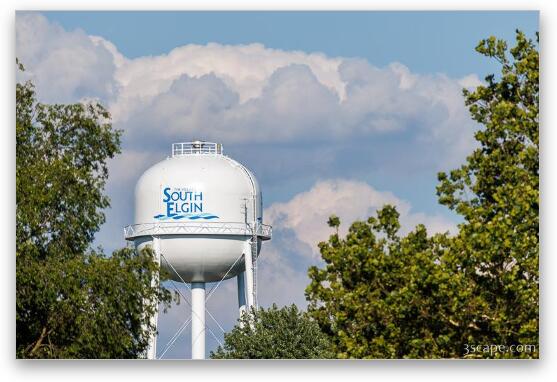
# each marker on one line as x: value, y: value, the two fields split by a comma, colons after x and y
x: 201, y: 212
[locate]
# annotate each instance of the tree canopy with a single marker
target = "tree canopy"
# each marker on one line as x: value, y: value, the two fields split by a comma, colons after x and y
x: 381, y: 295
x: 72, y: 301
x: 285, y: 333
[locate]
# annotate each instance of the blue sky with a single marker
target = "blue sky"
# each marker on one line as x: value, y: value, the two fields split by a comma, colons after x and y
x: 335, y: 112
x: 428, y: 42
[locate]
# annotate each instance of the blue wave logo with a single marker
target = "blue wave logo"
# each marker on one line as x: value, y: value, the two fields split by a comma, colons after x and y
x: 204, y: 216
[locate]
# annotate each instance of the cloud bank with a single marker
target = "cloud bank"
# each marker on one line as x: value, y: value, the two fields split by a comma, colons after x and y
x: 243, y: 93
x: 307, y: 213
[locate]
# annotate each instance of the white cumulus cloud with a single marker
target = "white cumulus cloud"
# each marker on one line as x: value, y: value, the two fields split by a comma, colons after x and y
x: 246, y: 93
x: 65, y: 66
x: 306, y: 214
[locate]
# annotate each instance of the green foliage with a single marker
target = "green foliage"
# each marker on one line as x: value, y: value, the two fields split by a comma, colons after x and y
x: 382, y: 296
x: 274, y: 334
x: 497, y: 193
x: 334, y: 221
x: 72, y: 301
x: 385, y: 296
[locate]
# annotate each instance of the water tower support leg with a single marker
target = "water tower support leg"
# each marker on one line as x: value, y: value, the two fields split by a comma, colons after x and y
x: 241, y: 293
x: 152, y: 346
x: 249, y: 275
x: 198, y: 320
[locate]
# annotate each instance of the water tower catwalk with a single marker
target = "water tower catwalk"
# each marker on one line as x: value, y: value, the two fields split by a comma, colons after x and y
x: 201, y: 213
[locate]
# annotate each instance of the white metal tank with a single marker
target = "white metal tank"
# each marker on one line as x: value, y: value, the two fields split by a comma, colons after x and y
x: 201, y: 212
x: 203, y: 204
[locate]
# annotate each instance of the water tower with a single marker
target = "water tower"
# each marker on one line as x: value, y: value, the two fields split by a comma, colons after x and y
x: 201, y: 212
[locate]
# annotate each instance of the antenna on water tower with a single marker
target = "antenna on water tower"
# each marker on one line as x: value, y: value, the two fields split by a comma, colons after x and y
x: 201, y: 213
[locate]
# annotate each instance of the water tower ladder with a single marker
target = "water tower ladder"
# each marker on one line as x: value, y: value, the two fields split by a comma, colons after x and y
x: 254, y: 262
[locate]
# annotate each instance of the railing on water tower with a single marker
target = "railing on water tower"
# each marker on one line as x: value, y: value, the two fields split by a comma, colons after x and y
x: 262, y: 231
x: 195, y: 147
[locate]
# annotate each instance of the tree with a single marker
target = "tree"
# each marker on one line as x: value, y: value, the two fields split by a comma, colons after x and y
x: 385, y: 296
x: 274, y: 333
x: 73, y: 301
x: 497, y: 193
